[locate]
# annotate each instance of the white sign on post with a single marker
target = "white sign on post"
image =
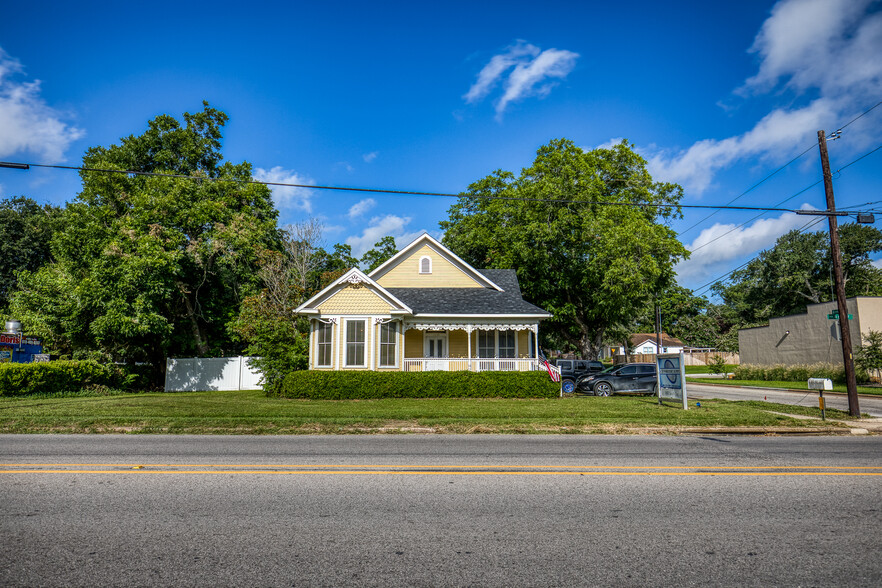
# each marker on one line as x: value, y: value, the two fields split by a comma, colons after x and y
x: 671, y: 374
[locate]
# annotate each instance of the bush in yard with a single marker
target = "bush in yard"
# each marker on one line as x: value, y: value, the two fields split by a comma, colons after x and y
x: 23, y: 379
x: 359, y: 385
x: 717, y: 364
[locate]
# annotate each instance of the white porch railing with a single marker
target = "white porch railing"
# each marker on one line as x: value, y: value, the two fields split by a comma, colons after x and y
x: 427, y: 364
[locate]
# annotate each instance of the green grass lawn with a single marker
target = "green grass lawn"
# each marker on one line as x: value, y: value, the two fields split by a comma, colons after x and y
x: 251, y: 412
x: 801, y: 385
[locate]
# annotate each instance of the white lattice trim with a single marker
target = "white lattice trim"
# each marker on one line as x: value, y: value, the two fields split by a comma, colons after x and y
x: 469, y: 327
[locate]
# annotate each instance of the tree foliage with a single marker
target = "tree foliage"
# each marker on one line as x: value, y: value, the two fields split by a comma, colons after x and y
x: 383, y: 250
x: 26, y: 230
x: 591, y: 264
x: 331, y: 266
x: 869, y: 356
x: 151, y: 266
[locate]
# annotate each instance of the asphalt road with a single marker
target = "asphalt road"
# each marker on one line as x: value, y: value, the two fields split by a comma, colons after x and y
x: 871, y: 405
x: 433, y: 510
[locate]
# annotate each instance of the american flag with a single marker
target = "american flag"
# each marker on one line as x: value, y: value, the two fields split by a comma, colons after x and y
x: 553, y: 373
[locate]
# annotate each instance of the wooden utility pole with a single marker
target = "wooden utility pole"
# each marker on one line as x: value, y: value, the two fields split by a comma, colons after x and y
x: 658, y: 347
x: 847, y: 357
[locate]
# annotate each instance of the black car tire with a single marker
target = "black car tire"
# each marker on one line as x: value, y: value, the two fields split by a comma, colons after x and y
x: 603, y: 389
x: 654, y: 391
x: 567, y: 386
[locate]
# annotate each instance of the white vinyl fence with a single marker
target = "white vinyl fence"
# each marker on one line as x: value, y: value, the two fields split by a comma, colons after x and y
x: 210, y: 373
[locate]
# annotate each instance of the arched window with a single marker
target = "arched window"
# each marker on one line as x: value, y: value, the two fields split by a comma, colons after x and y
x: 425, y: 265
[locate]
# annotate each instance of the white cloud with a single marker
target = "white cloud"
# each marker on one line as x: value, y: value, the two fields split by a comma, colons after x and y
x: 369, y: 157
x: 491, y: 73
x: 362, y: 206
x: 712, y: 251
x: 607, y: 145
x: 531, y: 74
x: 779, y: 136
x: 817, y: 44
x: 29, y: 124
x: 827, y: 48
x: 379, y: 227
x: 296, y: 197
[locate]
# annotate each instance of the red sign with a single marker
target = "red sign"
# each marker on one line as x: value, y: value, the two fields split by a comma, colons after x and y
x: 7, y: 339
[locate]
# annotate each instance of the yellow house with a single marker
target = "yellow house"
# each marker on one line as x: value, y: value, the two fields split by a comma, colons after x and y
x: 424, y: 309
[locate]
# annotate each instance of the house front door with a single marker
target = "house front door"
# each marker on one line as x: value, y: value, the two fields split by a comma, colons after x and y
x: 435, y: 350
x: 435, y: 345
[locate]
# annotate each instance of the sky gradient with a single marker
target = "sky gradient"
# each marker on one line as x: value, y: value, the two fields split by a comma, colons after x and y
x: 405, y: 96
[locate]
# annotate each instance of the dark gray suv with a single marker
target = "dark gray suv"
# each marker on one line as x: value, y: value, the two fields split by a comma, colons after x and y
x: 629, y: 378
x: 572, y: 369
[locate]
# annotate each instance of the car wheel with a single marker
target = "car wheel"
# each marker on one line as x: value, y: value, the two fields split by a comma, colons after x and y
x: 602, y: 389
x: 654, y: 391
x: 568, y: 386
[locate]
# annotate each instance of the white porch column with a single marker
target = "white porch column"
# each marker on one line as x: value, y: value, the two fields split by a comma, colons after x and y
x: 468, y: 330
x: 535, y: 331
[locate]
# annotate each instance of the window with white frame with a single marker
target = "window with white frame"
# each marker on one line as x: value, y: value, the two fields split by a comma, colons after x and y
x: 388, y: 344
x: 507, y: 343
x: 425, y: 265
x: 486, y: 344
x: 355, y: 331
x: 324, y: 337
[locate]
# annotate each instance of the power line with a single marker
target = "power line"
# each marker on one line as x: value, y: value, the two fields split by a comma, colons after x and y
x: 748, y: 190
x: 700, y: 289
x: 809, y: 148
x: 750, y: 220
x: 861, y: 115
x: 733, y: 229
x: 806, y: 226
x: 397, y: 192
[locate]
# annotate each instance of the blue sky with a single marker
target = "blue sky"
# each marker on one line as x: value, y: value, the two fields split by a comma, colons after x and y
x: 415, y: 96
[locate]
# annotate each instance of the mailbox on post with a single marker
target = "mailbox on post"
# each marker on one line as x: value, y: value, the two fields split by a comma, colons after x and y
x: 821, y: 384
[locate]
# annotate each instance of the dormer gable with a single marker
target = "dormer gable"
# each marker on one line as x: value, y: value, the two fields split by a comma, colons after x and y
x: 353, y: 293
x: 426, y: 263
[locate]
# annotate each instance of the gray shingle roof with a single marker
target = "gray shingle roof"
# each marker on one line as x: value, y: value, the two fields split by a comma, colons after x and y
x: 470, y: 300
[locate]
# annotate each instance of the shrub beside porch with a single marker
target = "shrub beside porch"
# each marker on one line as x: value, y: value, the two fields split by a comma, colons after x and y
x: 359, y: 385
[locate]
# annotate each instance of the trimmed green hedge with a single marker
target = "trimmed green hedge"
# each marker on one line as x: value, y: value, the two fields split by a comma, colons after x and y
x: 359, y: 385
x: 795, y: 373
x: 24, y: 379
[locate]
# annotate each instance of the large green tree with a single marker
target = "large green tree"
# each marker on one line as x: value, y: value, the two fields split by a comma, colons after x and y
x: 26, y: 230
x: 148, y: 266
x: 585, y: 230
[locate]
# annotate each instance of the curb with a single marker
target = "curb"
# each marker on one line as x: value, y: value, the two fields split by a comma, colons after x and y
x: 771, y: 431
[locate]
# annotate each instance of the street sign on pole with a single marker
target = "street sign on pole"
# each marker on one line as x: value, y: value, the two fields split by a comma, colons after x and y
x: 671, y: 374
x: 835, y: 316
